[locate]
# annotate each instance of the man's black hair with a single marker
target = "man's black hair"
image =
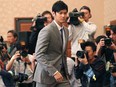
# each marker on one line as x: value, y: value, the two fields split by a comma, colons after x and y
x: 88, y: 43
x: 113, y: 28
x: 85, y: 7
x: 47, y: 12
x: 97, y: 40
x: 13, y: 33
x: 58, y: 6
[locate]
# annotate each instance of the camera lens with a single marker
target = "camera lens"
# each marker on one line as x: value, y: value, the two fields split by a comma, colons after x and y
x: 80, y: 54
x: 108, y: 41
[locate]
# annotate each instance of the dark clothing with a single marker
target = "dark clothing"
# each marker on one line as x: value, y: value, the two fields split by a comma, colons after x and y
x: 7, y: 78
x: 33, y: 37
x: 12, y: 49
x: 97, y: 68
x: 25, y: 85
x: 106, y: 53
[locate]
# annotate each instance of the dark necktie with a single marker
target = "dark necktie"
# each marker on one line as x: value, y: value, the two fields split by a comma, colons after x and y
x: 62, y: 67
x: 61, y: 30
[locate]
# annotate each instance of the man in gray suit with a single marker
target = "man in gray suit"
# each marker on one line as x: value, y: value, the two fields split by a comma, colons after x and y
x: 50, y: 53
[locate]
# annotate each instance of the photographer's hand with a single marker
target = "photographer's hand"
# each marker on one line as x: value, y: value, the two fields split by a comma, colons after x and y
x: 81, y: 19
x: 10, y: 63
x: 113, y: 46
x: 16, y: 55
x: 83, y: 60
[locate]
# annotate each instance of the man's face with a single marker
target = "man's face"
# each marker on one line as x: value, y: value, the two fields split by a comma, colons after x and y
x: 102, y: 42
x: 49, y: 19
x: 10, y: 38
x: 113, y: 36
x: 90, y: 52
x: 87, y: 14
x: 60, y: 17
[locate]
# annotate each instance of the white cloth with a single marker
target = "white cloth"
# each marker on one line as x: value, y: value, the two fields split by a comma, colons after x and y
x: 82, y: 31
x: 73, y: 81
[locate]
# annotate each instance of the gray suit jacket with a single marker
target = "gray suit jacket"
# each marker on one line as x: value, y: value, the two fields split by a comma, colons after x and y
x: 49, y: 54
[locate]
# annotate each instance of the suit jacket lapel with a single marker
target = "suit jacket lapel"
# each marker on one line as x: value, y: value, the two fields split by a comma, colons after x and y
x: 57, y: 32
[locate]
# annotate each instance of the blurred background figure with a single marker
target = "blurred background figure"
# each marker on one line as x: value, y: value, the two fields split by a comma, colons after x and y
x: 5, y: 76
x: 12, y: 38
x: 23, y: 65
x: 49, y: 17
x: 80, y: 28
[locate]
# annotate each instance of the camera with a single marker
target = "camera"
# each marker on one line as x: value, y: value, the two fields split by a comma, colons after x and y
x: 74, y: 17
x: 76, y: 14
x: 108, y: 41
x: 112, y: 68
x: 23, y: 48
x: 20, y: 78
x: 39, y: 22
x: 80, y: 54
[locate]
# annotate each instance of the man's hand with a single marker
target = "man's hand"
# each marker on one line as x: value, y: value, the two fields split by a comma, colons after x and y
x: 114, y: 74
x: 113, y: 46
x: 83, y: 60
x: 58, y: 76
x: 16, y: 55
x: 80, y: 19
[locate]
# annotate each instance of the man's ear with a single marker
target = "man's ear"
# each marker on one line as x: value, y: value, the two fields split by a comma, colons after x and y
x: 53, y: 13
x: 90, y: 15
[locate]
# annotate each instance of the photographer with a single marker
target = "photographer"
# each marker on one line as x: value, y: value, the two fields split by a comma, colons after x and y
x: 91, y: 69
x: 38, y: 23
x: 113, y: 47
x: 23, y: 65
x: 81, y: 28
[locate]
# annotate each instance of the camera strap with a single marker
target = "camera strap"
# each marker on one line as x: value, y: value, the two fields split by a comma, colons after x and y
x: 25, y: 66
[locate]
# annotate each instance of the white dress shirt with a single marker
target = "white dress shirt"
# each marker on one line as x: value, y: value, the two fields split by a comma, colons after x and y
x: 81, y: 31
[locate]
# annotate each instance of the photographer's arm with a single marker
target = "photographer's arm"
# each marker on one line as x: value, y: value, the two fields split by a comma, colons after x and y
x: 87, y: 69
x: 10, y: 63
x: 89, y: 27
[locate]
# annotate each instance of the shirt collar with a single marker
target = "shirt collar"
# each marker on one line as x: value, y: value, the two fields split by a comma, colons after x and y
x: 59, y: 27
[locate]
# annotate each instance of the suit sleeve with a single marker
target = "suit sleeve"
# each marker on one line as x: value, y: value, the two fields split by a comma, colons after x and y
x: 41, y: 51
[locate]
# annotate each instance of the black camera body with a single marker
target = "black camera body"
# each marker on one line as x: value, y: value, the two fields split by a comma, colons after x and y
x: 80, y: 54
x: 76, y: 14
x: 23, y: 53
x: 23, y: 47
x: 74, y: 17
x: 108, y: 41
x: 20, y: 78
x: 39, y: 22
